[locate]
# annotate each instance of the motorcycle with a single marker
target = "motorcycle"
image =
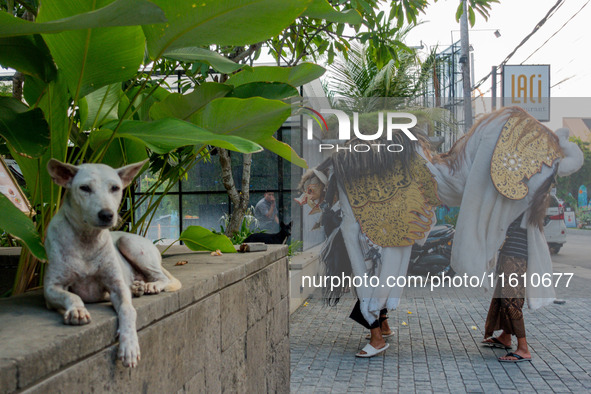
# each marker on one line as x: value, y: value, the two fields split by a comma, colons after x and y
x: 434, y: 256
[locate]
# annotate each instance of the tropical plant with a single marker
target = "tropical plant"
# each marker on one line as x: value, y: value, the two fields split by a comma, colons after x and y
x: 249, y: 223
x: 570, y: 185
x: 295, y: 247
x: 368, y: 74
x: 583, y: 218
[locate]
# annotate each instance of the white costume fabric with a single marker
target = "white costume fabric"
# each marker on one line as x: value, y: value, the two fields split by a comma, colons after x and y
x: 485, y: 214
x: 394, y: 264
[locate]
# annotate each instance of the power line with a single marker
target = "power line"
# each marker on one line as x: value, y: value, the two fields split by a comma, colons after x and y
x: 557, y: 31
x: 537, y: 27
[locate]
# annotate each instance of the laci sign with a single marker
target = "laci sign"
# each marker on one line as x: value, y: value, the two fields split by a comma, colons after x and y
x: 528, y: 87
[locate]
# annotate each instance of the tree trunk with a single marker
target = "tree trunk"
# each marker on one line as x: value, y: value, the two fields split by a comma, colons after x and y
x: 18, y: 80
x: 240, y: 199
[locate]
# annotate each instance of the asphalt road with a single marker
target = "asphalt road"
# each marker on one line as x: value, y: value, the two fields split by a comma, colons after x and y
x: 575, y: 257
x: 577, y: 249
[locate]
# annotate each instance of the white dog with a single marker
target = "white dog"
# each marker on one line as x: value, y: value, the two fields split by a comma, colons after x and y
x: 88, y: 263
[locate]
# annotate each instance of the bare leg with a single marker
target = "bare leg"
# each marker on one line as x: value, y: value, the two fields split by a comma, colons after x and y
x: 376, y: 340
x: 522, y: 350
x: 504, y: 338
x: 385, y: 327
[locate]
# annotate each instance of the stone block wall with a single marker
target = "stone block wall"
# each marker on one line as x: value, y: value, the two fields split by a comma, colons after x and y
x: 226, y: 330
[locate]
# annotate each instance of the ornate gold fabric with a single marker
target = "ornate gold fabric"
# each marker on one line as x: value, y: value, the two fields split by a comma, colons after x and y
x: 394, y: 207
x: 523, y: 146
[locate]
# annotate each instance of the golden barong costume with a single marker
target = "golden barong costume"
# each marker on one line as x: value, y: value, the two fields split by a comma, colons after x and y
x: 386, y: 203
x: 497, y: 172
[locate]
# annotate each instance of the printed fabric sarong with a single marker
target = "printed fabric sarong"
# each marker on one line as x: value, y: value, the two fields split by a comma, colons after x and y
x: 506, y: 308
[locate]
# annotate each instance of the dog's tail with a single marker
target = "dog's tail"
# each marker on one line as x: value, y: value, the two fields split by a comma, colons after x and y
x: 174, y: 283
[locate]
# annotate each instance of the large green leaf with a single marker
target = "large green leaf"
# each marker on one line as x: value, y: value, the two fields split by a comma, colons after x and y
x: 294, y: 76
x: 122, y: 151
x: 165, y: 135
x: 25, y: 130
x: 254, y: 119
x: 268, y: 90
x: 202, y: 55
x: 143, y: 101
x: 182, y: 106
x: 283, y: 150
x: 29, y: 55
x: 17, y: 224
x: 321, y: 9
x: 118, y: 13
x: 54, y: 100
x: 201, y: 239
x: 223, y: 22
x: 100, y: 106
x: 92, y: 58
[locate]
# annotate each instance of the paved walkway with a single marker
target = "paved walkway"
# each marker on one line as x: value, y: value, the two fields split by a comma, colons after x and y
x: 438, y: 349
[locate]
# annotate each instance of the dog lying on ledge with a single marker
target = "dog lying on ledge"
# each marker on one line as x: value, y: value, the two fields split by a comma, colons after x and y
x: 89, y: 263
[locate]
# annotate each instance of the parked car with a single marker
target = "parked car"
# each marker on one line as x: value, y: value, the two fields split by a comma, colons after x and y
x: 554, y: 227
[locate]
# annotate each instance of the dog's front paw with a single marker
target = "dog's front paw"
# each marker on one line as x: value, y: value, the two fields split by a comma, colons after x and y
x: 153, y: 288
x: 129, y: 351
x: 138, y: 288
x: 77, y: 316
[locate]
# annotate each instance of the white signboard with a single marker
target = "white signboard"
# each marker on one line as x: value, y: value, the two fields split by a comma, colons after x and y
x: 528, y: 87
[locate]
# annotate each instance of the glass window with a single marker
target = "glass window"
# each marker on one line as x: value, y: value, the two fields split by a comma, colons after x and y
x: 163, y: 224
x: 205, y: 210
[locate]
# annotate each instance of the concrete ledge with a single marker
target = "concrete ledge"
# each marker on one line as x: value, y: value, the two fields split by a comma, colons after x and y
x: 225, y: 330
x: 308, y: 264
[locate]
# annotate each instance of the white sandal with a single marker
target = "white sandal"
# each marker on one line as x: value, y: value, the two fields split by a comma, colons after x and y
x: 371, y: 351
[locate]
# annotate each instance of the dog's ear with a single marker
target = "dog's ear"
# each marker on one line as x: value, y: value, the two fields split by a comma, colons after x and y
x: 61, y: 173
x: 128, y: 173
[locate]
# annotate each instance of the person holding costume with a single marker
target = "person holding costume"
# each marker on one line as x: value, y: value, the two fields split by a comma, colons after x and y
x: 500, y: 174
x: 377, y: 205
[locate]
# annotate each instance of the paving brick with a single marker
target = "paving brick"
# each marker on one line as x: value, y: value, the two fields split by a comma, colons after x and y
x: 438, y: 350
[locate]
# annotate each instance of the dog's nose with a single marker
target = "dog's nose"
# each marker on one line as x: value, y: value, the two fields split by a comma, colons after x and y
x: 105, y: 215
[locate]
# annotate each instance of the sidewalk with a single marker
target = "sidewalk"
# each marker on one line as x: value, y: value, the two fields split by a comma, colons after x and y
x: 438, y: 350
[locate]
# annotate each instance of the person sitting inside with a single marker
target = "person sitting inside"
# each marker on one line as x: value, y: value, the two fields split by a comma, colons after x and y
x: 266, y: 213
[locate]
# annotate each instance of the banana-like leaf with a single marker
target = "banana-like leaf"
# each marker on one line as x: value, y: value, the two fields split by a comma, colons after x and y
x: 92, y: 58
x: 122, y: 151
x: 25, y: 130
x: 321, y: 9
x: 255, y: 119
x: 284, y: 150
x: 268, y: 90
x: 54, y: 100
x: 29, y: 55
x: 117, y: 13
x: 100, y: 106
x: 17, y: 224
x: 202, y: 55
x: 204, y: 22
x: 142, y: 104
x: 294, y: 76
x: 182, y: 106
x: 201, y: 239
x: 165, y: 135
